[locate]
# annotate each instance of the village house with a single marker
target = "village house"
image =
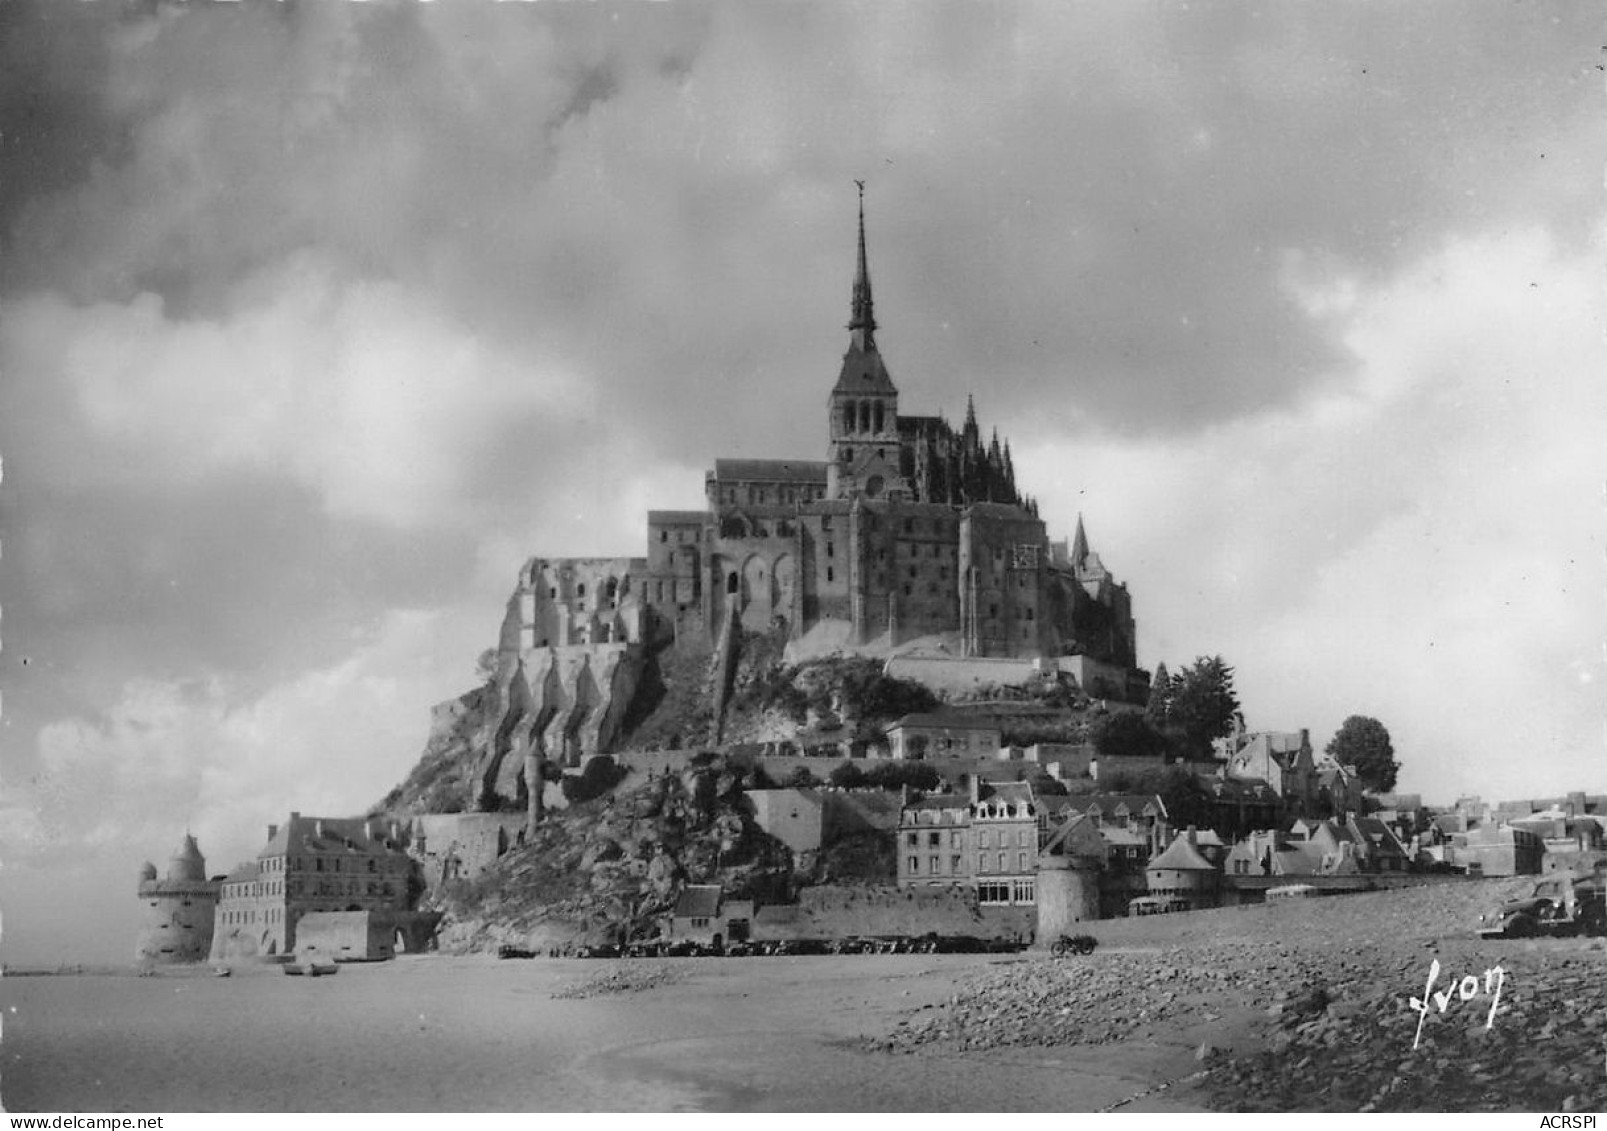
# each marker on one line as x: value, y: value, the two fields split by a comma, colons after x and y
x: 1240, y: 806
x: 704, y: 916
x: 1381, y: 849
x: 987, y: 840
x: 1497, y: 851
x: 311, y: 864
x: 1281, y: 759
x: 921, y: 737
x: 1141, y: 814
x: 1271, y: 852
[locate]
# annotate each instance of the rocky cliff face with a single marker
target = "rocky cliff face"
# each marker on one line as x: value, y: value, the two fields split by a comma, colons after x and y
x: 614, y: 865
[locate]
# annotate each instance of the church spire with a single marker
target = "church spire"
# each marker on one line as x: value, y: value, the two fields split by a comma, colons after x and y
x: 1079, y: 544
x: 863, y: 320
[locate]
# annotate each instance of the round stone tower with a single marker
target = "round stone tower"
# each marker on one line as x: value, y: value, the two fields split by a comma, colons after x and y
x: 176, y: 925
x: 1068, y: 895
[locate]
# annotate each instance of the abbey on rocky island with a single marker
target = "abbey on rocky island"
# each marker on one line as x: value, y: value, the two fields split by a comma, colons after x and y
x: 908, y: 534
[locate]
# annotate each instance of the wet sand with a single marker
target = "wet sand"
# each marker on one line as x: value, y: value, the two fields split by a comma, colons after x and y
x: 443, y: 1033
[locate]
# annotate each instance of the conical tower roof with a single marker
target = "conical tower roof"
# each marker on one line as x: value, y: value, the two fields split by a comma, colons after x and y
x: 1182, y: 856
x: 187, y: 864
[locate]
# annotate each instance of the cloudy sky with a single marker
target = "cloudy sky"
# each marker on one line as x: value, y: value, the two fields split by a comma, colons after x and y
x: 317, y: 318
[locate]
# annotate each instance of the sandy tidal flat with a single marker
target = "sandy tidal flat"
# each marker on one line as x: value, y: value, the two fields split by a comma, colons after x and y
x: 439, y: 1033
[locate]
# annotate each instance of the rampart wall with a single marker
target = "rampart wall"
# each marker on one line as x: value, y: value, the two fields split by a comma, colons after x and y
x: 843, y: 912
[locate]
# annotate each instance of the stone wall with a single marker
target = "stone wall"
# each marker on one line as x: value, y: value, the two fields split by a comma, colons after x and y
x: 462, y: 845
x: 959, y: 676
x: 839, y: 912
x: 176, y: 921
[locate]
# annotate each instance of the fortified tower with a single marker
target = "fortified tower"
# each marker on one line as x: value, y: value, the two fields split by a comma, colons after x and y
x: 179, y: 911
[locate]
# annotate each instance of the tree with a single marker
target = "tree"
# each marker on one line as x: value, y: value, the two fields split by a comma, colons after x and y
x: 1046, y: 785
x: 846, y: 775
x: 891, y: 775
x: 1159, y: 709
x: 1363, y: 742
x: 1204, y: 703
x: 1127, y: 734
x: 600, y: 775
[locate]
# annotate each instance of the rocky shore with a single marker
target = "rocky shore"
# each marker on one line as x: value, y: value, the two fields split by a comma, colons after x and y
x: 1309, y: 1006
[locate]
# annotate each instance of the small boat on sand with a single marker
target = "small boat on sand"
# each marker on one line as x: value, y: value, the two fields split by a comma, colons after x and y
x: 310, y: 969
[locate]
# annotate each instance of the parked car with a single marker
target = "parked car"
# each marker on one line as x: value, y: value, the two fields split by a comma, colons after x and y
x: 1155, y: 905
x: 1558, y: 908
x: 509, y: 951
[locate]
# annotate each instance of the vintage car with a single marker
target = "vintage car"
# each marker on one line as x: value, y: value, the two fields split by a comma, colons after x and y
x: 1527, y: 918
x: 1560, y: 907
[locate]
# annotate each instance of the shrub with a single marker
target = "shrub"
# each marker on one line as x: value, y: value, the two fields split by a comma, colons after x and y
x: 601, y: 774
x: 847, y: 776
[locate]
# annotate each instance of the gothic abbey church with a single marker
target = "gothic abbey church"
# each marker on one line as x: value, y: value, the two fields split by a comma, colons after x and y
x: 907, y: 533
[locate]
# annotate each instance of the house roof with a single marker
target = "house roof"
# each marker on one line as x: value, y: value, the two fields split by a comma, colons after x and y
x: 941, y: 801
x: 1119, y: 804
x: 1181, y: 856
x: 1339, y: 832
x: 774, y: 914
x: 676, y: 518
x: 771, y: 470
x: 946, y: 721
x: 244, y: 871
x: 698, y: 901
x: 1238, y: 789
x: 1078, y: 832
x: 1379, y: 835
x: 325, y: 836
x: 1009, y: 791
x: 1118, y: 837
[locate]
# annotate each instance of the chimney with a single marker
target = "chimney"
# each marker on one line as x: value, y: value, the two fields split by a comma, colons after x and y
x: 1193, y: 838
x: 273, y: 831
x: 976, y: 789
x: 1305, y: 738
x: 368, y: 829
x: 318, y: 828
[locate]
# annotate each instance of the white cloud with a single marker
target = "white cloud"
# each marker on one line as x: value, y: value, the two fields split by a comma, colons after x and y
x: 170, y: 755
x: 1424, y: 544
x: 366, y: 393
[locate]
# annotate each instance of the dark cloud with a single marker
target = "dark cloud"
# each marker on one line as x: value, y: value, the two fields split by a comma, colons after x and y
x: 1074, y: 207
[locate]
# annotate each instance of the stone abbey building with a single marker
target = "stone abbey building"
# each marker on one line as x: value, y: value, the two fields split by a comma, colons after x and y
x: 906, y: 529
